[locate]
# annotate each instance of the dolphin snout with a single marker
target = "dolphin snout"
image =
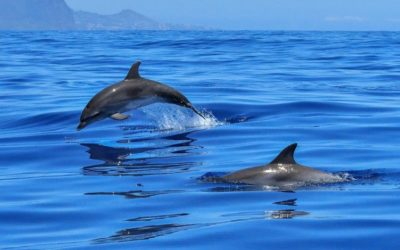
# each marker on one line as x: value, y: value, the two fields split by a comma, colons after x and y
x: 81, y: 125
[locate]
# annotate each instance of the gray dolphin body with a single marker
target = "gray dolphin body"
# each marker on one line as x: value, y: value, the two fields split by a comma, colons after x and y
x: 131, y: 93
x: 282, y: 172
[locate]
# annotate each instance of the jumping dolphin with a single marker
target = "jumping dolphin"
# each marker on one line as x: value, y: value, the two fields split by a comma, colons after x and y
x: 283, y: 172
x: 133, y: 92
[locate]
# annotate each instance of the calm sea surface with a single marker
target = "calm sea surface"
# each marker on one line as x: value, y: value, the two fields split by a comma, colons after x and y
x: 135, y: 184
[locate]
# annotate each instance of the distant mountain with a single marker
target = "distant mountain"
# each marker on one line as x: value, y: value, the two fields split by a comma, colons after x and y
x: 56, y: 15
x: 124, y: 20
x: 35, y: 15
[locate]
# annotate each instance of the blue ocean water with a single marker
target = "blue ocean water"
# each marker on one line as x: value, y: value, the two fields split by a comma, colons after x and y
x: 135, y: 184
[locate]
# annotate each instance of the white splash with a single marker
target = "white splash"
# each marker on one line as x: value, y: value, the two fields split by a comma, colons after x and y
x: 171, y: 117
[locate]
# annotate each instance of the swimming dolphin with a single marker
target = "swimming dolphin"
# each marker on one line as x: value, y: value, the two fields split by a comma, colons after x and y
x: 283, y: 171
x: 133, y: 92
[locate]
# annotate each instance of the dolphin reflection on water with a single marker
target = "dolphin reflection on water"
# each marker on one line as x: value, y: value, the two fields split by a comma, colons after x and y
x: 140, y: 156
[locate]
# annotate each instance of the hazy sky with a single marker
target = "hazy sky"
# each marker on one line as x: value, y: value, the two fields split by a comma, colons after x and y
x: 261, y: 14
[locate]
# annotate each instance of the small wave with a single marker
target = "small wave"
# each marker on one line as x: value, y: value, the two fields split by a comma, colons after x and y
x: 56, y: 119
x: 45, y: 40
x: 345, y: 177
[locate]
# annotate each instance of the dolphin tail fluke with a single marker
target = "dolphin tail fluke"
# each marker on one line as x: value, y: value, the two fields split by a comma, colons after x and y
x: 286, y: 155
x: 198, y: 112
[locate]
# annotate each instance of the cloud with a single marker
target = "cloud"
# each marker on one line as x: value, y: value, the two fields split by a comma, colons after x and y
x: 344, y: 19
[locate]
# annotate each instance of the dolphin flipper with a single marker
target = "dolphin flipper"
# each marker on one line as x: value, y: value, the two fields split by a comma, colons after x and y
x: 119, y: 116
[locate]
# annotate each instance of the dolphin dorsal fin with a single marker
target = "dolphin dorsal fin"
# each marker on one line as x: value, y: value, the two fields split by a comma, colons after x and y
x: 133, y: 72
x: 286, y: 155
